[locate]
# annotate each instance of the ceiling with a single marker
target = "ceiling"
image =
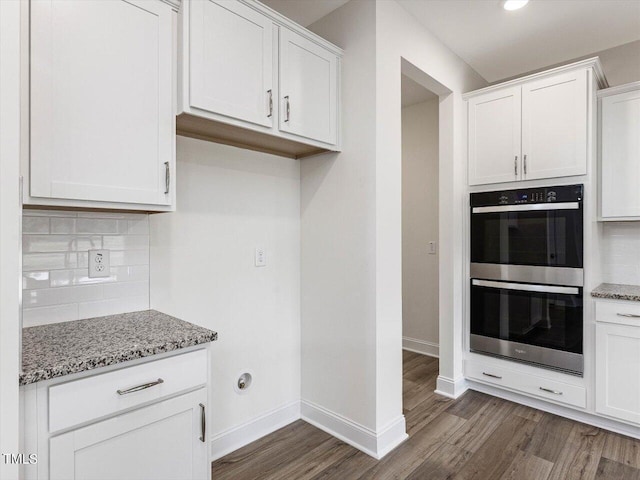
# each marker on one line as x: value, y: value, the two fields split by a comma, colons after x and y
x: 413, y: 92
x: 304, y: 12
x: 500, y: 44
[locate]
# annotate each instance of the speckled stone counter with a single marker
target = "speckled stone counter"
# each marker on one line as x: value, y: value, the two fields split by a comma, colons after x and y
x: 58, y: 349
x: 615, y: 291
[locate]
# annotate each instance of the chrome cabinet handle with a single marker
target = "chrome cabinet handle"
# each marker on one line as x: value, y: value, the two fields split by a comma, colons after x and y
x: 548, y: 390
x: 492, y: 375
x: 288, y: 108
x: 524, y: 166
x: 628, y: 315
x: 203, y: 423
x: 137, y: 388
x: 167, y: 178
x: 515, y: 165
x: 270, y: 103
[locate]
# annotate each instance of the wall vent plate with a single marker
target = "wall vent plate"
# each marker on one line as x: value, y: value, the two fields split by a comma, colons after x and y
x: 99, y: 264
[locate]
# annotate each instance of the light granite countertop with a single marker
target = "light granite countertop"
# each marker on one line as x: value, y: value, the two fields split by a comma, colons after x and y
x: 617, y: 292
x: 59, y: 349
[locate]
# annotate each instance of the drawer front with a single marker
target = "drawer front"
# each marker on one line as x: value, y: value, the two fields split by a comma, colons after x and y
x: 98, y: 396
x: 621, y: 312
x: 528, y: 384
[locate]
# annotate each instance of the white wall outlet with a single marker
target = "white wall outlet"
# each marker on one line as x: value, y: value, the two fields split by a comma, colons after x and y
x: 99, y: 263
x: 261, y: 257
x: 432, y: 247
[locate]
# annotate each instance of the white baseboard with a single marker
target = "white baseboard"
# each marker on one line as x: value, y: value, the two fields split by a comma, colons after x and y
x: 226, y: 442
x: 451, y: 388
x: 375, y: 444
x: 578, y: 416
x: 421, y: 346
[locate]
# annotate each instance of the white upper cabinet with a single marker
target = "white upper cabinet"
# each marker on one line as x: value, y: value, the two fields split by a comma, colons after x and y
x: 533, y: 128
x: 308, y: 88
x: 232, y: 59
x: 252, y: 78
x: 101, y: 104
x: 494, y: 137
x: 554, y: 126
x: 620, y: 152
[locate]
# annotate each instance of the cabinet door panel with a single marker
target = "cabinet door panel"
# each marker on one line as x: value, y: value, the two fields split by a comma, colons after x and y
x: 231, y: 60
x: 308, y: 88
x: 102, y: 117
x: 494, y: 137
x: 160, y: 441
x: 618, y: 371
x: 554, y: 126
x: 620, y: 157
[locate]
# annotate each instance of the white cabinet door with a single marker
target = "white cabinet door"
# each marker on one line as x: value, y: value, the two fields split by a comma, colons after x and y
x: 160, y: 442
x: 620, y: 155
x: 494, y: 137
x: 618, y: 371
x: 308, y: 88
x: 554, y: 126
x: 231, y: 60
x: 102, y: 120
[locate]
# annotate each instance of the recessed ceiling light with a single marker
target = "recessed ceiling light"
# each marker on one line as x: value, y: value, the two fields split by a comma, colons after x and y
x: 514, y: 4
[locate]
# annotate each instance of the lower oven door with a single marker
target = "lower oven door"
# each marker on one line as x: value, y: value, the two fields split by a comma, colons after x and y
x: 539, y: 324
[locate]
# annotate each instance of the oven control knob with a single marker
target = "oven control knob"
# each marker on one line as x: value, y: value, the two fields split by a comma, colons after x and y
x: 551, y: 196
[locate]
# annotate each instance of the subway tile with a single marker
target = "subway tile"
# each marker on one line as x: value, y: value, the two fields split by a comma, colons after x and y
x: 35, y: 280
x: 112, y: 306
x: 138, y: 227
x: 32, y: 212
x: 116, y: 215
x: 35, y: 225
x: 126, y: 289
x: 131, y: 257
x: 63, y: 225
x: 45, y: 315
x: 101, y: 225
x: 125, y: 242
x: 60, y: 296
x: 59, y: 243
x: 80, y: 276
x: 48, y: 261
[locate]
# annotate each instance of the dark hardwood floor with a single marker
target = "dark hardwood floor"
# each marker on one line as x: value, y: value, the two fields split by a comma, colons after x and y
x: 474, y: 437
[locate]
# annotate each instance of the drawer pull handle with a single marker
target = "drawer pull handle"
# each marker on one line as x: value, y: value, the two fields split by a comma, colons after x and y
x: 203, y: 423
x: 137, y: 388
x: 628, y: 315
x: 492, y: 375
x: 548, y: 390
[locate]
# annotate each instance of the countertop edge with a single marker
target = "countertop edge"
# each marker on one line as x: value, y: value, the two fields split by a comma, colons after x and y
x: 614, y: 291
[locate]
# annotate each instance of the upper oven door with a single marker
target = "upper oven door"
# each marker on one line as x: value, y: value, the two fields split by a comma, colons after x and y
x: 541, y: 234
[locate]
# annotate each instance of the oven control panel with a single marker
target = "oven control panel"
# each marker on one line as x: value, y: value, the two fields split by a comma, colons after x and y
x: 562, y: 193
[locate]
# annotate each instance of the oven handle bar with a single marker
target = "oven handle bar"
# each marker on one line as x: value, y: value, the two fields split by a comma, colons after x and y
x: 526, y: 287
x: 527, y: 207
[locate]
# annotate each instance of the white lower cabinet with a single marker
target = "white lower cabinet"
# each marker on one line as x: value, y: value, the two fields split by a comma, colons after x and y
x: 618, y: 363
x: 164, y: 441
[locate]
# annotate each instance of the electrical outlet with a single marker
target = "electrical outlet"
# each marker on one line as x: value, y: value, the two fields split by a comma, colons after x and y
x: 432, y: 247
x: 99, y: 263
x: 261, y: 258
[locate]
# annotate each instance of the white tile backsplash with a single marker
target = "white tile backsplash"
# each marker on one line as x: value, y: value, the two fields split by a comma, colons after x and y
x: 621, y: 252
x: 56, y: 283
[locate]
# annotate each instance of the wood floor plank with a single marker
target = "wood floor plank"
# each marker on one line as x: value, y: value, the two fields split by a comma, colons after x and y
x: 610, y: 470
x: 407, y: 457
x: 579, y: 458
x: 442, y: 464
x: 527, y: 467
x: 622, y: 449
x: 528, y: 413
x: 496, y: 454
x: 349, y: 467
x: 550, y: 436
x: 468, y: 404
x: 427, y: 410
x: 475, y: 432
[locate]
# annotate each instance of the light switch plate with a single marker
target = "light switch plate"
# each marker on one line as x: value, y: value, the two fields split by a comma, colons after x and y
x: 99, y: 263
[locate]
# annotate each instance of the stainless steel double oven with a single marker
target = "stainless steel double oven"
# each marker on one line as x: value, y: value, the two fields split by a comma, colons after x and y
x: 527, y: 275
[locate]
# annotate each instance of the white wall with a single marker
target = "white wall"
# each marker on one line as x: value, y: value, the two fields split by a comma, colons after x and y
x: 419, y: 227
x: 231, y: 201
x: 351, y: 222
x: 55, y: 274
x: 9, y: 232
